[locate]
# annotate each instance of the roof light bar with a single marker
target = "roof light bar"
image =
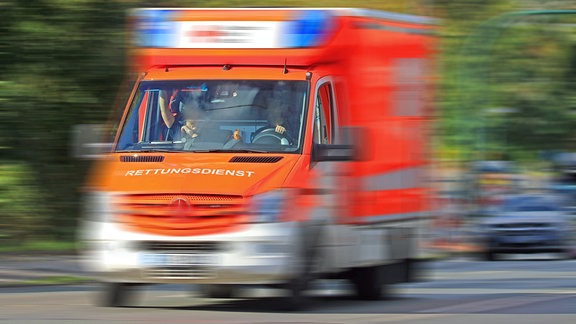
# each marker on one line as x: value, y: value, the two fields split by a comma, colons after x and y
x: 158, y: 28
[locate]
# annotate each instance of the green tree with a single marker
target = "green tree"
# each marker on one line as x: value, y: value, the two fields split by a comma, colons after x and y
x: 63, y: 61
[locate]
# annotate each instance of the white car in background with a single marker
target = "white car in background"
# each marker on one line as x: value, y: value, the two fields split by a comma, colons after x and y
x: 526, y: 224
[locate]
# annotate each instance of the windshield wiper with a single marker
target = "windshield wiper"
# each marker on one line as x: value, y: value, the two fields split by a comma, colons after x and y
x: 237, y: 106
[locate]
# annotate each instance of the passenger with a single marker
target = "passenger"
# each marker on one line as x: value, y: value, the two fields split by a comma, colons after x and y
x: 233, y: 139
x: 184, y: 125
x: 189, y: 129
x: 170, y: 115
x: 179, y: 116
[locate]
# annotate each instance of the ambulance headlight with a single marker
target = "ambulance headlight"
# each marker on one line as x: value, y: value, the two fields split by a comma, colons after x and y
x: 97, y: 207
x: 268, y: 207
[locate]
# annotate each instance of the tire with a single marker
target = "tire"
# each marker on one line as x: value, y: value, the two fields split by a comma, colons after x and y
x: 369, y: 283
x: 116, y: 294
x: 489, y: 255
x: 412, y: 270
x: 218, y: 291
x: 297, y: 299
x: 567, y: 254
x: 296, y: 287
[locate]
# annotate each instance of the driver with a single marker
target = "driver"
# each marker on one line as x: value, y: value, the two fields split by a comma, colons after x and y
x: 279, y: 104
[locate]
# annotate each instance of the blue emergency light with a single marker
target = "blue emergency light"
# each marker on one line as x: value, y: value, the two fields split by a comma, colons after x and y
x: 308, y: 29
x: 157, y: 28
x: 154, y: 28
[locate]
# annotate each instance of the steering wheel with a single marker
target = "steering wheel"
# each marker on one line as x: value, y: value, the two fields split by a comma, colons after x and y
x: 270, y: 136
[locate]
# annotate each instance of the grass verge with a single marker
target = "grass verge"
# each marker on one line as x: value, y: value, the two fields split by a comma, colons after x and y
x: 55, y: 280
x: 37, y: 246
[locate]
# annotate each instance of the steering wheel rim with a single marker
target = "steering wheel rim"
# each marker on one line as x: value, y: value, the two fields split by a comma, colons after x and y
x: 270, y: 132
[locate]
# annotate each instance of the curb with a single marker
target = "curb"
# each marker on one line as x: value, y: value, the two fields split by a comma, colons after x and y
x: 40, y: 268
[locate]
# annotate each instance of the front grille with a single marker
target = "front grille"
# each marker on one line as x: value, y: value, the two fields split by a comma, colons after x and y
x: 180, y: 273
x: 180, y: 215
x: 190, y: 247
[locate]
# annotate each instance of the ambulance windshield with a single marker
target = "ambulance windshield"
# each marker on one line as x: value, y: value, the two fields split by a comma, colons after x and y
x: 215, y: 116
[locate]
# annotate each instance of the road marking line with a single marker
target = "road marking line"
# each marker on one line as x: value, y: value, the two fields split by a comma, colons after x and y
x: 494, y: 304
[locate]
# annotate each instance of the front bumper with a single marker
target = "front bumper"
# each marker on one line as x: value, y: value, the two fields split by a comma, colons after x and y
x: 259, y: 254
x: 542, y: 243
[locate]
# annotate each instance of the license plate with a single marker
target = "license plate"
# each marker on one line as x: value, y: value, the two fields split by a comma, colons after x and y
x: 177, y: 259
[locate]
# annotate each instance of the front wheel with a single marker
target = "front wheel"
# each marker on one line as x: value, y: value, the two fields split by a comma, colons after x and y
x: 218, y: 291
x: 306, y: 265
x: 117, y: 294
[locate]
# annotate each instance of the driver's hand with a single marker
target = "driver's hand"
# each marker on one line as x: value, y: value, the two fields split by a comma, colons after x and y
x: 236, y: 135
x: 280, y: 129
x: 189, y: 131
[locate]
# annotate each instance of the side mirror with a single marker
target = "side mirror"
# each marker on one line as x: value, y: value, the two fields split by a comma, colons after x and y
x: 86, y: 141
x: 332, y: 152
x: 347, y: 147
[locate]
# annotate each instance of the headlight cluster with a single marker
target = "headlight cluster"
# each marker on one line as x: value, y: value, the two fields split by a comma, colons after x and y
x: 269, y: 206
x: 97, y: 207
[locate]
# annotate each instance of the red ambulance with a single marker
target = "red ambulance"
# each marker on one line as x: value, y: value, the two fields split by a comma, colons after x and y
x: 266, y: 147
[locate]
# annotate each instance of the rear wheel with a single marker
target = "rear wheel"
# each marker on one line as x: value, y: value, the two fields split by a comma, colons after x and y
x: 369, y: 283
x: 412, y: 270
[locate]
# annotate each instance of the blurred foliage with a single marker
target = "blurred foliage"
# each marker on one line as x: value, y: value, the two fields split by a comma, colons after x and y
x: 21, y: 216
x: 506, y: 83
x: 532, y: 75
x: 63, y: 61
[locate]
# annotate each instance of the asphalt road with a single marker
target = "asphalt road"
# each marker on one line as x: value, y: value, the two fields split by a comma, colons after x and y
x: 536, y: 290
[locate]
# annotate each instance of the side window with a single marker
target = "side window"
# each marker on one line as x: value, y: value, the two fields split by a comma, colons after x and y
x: 323, y: 117
x: 143, y: 122
x: 132, y: 129
x: 150, y: 117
